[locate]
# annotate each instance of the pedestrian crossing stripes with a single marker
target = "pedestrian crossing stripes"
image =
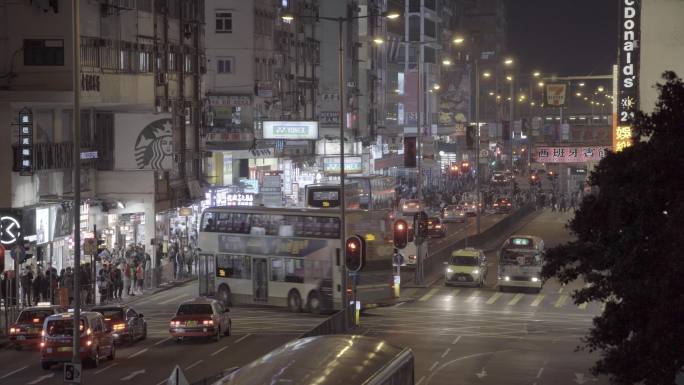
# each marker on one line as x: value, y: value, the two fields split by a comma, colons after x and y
x: 489, y: 298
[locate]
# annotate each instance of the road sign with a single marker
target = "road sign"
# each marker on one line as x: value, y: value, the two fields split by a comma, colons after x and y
x: 72, y: 373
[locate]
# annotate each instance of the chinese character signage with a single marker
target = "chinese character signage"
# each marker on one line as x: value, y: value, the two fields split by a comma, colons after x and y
x: 25, y: 142
x: 628, y: 69
x: 555, y: 95
x: 570, y: 154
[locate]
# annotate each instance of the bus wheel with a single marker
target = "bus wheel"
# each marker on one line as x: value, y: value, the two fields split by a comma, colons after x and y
x: 224, y: 295
x: 314, y: 302
x: 294, y: 301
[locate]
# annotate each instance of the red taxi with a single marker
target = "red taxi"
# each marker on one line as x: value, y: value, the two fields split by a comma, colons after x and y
x: 57, y: 346
x: 27, y: 329
x: 200, y: 318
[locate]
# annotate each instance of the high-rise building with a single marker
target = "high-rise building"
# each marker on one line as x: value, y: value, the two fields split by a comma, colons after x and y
x: 141, y: 112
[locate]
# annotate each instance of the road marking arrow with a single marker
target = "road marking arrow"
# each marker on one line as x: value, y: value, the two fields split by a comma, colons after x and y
x: 41, y: 378
x: 482, y: 373
x: 130, y: 376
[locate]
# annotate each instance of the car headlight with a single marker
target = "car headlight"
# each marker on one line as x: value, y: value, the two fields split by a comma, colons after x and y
x: 535, y: 279
x: 507, y: 278
x: 476, y: 271
x: 449, y: 270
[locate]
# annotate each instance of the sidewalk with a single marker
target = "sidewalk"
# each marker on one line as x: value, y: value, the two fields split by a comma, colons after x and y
x: 154, y: 290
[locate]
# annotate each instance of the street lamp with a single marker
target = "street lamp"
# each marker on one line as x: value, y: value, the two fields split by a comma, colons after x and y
x: 378, y: 40
x: 487, y: 74
x: 340, y: 34
x: 458, y: 40
x: 536, y: 74
x: 446, y: 62
x: 508, y: 62
x: 436, y: 86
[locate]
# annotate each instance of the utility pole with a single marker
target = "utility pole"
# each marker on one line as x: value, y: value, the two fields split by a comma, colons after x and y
x: 477, y: 147
x: 76, y: 356
x: 343, y: 223
x: 419, y: 173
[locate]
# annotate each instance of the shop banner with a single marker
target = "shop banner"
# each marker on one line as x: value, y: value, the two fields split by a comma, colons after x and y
x: 43, y: 225
x: 64, y: 222
x: 570, y: 154
x: 292, y: 130
x: 143, y: 142
x: 555, y: 95
x: 352, y: 165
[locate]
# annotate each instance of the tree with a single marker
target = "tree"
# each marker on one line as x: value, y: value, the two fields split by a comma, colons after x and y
x: 629, y: 247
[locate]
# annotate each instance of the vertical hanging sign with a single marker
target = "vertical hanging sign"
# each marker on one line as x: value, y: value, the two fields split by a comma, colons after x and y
x: 628, y: 73
x: 25, y: 124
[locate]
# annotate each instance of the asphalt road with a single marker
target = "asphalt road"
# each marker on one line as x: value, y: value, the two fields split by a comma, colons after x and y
x: 256, y: 331
x: 482, y: 336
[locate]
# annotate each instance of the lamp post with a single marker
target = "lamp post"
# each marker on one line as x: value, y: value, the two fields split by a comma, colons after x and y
x: 76, y: 29
x: 340, y: 23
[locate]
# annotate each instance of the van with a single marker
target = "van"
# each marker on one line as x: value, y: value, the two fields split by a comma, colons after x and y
x: 56, y: 346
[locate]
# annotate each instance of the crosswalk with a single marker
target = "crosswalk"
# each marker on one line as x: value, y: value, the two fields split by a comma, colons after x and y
x: 552, y: 300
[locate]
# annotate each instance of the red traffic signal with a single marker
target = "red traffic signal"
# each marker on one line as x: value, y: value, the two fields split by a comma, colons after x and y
x: 401, y: 231
x: 354, y: 253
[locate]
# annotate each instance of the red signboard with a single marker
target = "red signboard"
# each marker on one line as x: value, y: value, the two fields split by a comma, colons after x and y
x: 577, y: 154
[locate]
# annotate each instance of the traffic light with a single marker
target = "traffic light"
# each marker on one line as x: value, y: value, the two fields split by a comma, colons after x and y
x: 470, y: 137
x: 534, y: 179
x: 420, y: 224
x: 355, y: 253
x: 465, y: 167
x: 410, y: 151
x: 400, y: 234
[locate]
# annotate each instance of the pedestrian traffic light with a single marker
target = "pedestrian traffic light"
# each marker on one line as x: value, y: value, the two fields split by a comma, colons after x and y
x: 410, y: 151
x: 355, y: 253
x: 400, y: 233
x: 420, y: 224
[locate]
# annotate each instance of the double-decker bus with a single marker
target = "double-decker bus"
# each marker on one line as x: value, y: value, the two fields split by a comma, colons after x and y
x: 291, y: 257
x: 362, y: 192
x: 326, y: 195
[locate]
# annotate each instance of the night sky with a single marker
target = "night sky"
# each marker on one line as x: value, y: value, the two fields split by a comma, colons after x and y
x: 563, y: 37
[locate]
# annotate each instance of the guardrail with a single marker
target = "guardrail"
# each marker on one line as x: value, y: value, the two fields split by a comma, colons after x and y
x: 338, y: 323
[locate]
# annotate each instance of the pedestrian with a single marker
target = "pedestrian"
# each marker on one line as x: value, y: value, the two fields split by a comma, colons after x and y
x: 190, y: 260
x: 553, y: 202
x: 26, y: 282
x: 103, y: 283
x: 563, y: 203
x: 132, y: 270
x: 118, y: 282
x: 139, y: 276
x: 37, y: 285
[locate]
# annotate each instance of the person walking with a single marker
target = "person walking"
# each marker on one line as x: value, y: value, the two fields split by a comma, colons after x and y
x: 37, y: 285
x: 102, y: 281
x: 118, y: 282
x: 139, y: 276
x: 553, y: 202
x: 131, y: 269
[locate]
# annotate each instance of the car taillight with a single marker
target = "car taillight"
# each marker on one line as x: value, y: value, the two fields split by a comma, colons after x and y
x: 36, y: 320
x: 42, y: 333
x: 89, y: 332
x: 89, y: 342
x: 412, y: 257
x: 438, y: 226
x: 119, y: 327
x: 14, y: 330
x: 174, y: 323
x: 207, y: 322
x: 42, y: 344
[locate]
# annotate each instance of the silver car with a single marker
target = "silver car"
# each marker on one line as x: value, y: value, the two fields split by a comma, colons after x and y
x: 454, y: 213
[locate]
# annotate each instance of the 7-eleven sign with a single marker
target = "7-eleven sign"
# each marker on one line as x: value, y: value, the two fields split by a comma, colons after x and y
x: 555, y: 94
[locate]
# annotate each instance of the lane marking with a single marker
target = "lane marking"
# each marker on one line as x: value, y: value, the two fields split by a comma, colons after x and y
x: 163, y: 382
x: 219, y: 351
x: 455, y: 292
x: 473, y: 298
x: 399, y: 304
x: 515, y: 299
x: 193, y: 365
x: 13, y: 372
x: 603, y: 306
x: 446, y: 352
x: 133, y: 374
x: 560, y: 291
x: 110, y: 366
x: 434, y: 365
x: 417, y: 383
x: 537, y: 300
x: 162, y: 341
x: 176, y: 298
x: 41, y: 378
x: 539, y: 373
x: 561, y: 300
x: 494, y: 298
x: 428, y: 295
x: 456, y: 340
x: 242, y: 338
x: 139, y: 352
x: 582, y: 306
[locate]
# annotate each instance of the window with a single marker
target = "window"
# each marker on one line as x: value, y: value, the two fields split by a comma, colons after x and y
x: 277, y: 270
x: 224, y: 22
x: 294, y: 270
x: 233, y: 266
x: 272, y: 224
x: 224, y: 65
x: 43, y: 52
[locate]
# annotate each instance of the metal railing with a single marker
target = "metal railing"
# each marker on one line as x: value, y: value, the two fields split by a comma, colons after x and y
x: 338, y: 323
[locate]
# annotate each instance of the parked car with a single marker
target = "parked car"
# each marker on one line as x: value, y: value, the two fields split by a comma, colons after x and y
x: 201, y: 317
x: 503, y: 205
x: 436, y: 228
x: 454, y: 213
x: 56, y: 347
x: 126, y: 324
x: 26, y: 330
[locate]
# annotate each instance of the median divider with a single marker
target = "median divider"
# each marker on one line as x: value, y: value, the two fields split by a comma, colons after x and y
x: 338, y: 323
